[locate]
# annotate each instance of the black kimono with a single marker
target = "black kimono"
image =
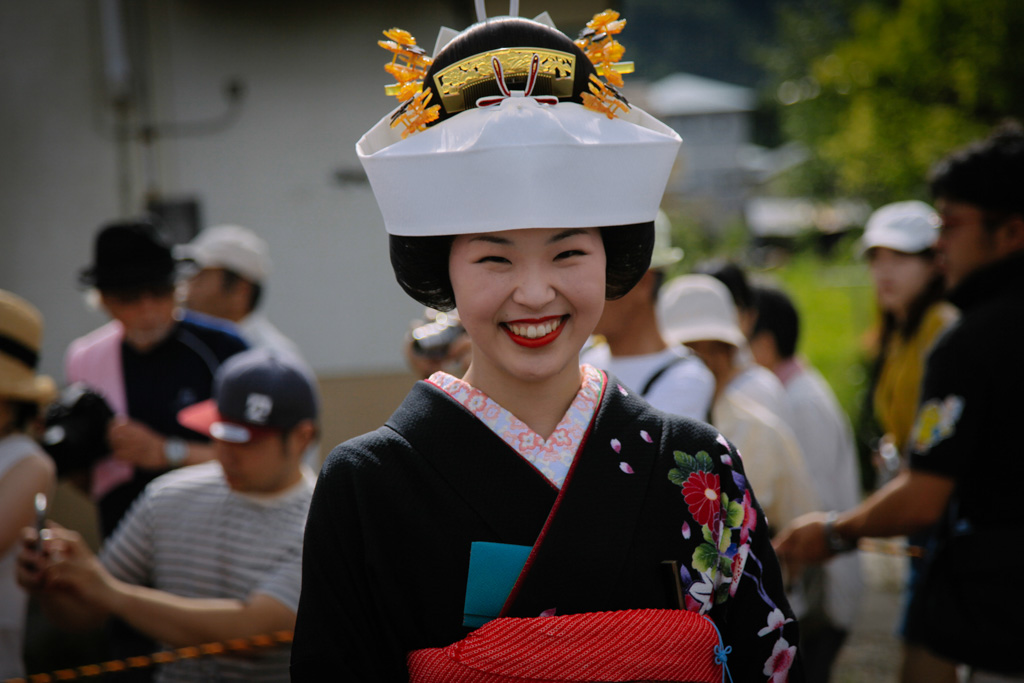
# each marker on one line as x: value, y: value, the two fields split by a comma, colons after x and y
x: 395, y: 511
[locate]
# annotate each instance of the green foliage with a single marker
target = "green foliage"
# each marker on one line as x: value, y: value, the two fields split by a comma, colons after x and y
x: 880, y: 106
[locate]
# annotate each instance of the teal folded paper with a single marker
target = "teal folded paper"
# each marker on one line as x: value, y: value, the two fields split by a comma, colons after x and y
x: 493, y: 570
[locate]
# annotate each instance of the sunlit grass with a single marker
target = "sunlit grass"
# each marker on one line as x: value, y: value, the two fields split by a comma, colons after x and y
x: 834, y: 299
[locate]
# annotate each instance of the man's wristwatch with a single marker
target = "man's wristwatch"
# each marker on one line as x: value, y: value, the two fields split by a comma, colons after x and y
x: 836, y: 543
x: 175, y: 451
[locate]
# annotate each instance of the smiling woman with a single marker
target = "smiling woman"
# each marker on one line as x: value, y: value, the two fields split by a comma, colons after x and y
x: 533, y: 496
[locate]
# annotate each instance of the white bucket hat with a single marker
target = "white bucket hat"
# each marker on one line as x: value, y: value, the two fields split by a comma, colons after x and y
x: 519, y: 161
x: 910, y: 227
x: 698, y: 308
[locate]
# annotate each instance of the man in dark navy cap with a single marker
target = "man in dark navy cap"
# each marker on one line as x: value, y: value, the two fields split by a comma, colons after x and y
x: 208, y: 553
x: 146, y: 362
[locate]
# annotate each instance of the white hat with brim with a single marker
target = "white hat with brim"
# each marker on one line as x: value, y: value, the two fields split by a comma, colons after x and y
x: 909, y: 227
x: 21, y: 332
x: 698, y: 308
x: 519, y: 164
x: 233, y: 247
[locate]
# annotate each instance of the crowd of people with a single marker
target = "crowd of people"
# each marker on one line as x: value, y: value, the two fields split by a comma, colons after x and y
x: 604, y: 473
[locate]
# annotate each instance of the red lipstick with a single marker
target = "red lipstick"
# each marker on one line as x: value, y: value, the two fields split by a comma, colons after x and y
x: 535, y: 342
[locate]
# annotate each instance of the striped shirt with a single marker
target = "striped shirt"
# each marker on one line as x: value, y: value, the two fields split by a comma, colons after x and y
x: 191, y: 535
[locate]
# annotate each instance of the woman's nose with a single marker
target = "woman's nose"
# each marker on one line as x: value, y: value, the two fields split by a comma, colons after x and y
x: 534, y: 289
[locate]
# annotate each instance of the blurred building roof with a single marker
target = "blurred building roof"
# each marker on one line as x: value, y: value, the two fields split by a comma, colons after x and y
x: 683, y: 94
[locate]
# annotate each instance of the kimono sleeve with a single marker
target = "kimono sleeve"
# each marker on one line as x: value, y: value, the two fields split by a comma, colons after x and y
x: 734, y: 575
x: 339, y: 634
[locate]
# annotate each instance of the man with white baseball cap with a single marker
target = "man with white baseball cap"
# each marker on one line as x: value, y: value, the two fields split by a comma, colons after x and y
x: 231, y: 266
x: 207, y: 553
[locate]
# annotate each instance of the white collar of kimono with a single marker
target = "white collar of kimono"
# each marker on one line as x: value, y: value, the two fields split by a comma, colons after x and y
x: 552, y: 457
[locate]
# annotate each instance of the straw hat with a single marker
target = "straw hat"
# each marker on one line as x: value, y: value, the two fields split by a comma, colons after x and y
x: 21, y: 334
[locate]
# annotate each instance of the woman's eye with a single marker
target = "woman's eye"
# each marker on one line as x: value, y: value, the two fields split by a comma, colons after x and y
x: 570, y: 253
x: 493, y: 259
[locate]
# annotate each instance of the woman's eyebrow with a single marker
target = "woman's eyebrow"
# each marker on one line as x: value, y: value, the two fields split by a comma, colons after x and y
x: 491, y: 238
x: 565, y: 234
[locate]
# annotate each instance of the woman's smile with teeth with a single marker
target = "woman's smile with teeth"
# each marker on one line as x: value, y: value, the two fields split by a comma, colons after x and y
x: 534, y: 330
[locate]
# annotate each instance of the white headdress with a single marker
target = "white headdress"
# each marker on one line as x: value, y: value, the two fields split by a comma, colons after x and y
x: 509, y: 158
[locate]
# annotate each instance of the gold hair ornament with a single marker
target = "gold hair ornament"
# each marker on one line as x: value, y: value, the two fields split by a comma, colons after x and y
x: 413, y: 66
x: 414, y: 113
x: 598, y: 43
x: 515, y: 62
x: 603, y: 98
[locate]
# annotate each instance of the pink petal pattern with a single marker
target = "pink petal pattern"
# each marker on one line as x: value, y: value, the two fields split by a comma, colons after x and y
x: 645, y: 436
x: 548, y: 612
x: 552, y: 457
x: 624, y: 466
x: 616, y: 445
x: 622, y: 390
x: 686, y: 530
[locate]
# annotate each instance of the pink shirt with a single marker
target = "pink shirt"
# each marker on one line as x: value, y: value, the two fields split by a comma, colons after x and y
x: 95, y: 359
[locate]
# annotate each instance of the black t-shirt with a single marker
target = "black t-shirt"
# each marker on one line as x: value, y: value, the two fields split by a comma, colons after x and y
x: 971, y: 397
x: 158, y: 383
x: 964, y: 605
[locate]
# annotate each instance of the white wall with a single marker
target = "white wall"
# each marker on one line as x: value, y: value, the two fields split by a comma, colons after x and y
x: 315, y: 83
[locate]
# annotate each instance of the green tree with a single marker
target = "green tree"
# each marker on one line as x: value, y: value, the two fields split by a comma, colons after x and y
x: 907, y: 83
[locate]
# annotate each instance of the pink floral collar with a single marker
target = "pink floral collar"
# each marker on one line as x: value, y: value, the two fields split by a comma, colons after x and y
x: 552, y: 457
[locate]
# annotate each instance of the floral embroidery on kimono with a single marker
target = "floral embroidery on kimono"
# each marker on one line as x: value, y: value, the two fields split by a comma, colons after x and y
x: 721, y: 561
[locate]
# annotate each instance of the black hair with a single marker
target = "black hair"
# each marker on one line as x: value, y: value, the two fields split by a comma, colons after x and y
x: 988, y: 174
x: 777, y: 316
x: 421, y: 263
x: 506, y: 32
x: 230, y: 279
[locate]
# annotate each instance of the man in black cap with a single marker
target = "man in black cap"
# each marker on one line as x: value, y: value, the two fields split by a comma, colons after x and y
x: 208, y: 553
x: 146, y: 362
x: 965, y: 454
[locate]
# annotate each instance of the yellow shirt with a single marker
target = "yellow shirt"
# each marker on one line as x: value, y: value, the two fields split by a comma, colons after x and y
x: 899, y: 381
